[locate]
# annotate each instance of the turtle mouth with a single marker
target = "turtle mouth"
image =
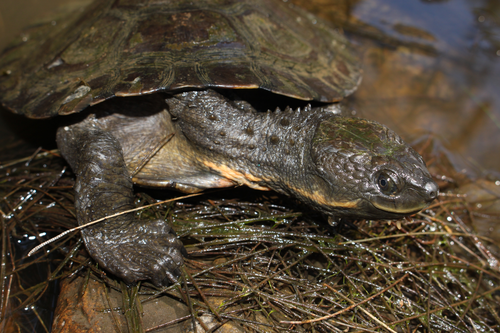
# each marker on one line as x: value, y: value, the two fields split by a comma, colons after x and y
x: 410, y: 201
x: 399, y: 209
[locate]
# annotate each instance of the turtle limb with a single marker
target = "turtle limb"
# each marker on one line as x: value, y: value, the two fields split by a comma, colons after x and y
x: 129, y: 248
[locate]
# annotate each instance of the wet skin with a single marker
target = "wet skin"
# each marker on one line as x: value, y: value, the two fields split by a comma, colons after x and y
x: 89, y: 65
x: 340, y: 166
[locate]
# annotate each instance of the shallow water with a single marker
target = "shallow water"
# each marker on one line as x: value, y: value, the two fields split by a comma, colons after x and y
x: 429, y: 67
x: 459, y: 100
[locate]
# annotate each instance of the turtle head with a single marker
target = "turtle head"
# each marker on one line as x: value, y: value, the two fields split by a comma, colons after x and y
x: 366, y: 170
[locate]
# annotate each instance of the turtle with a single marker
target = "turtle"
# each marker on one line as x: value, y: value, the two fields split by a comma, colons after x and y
x: 199, y: 95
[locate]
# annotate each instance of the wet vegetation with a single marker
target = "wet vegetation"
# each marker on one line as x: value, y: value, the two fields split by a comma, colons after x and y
x: 257, y: 262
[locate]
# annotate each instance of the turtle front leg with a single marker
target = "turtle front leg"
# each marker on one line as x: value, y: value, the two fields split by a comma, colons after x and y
x: 129, y: 248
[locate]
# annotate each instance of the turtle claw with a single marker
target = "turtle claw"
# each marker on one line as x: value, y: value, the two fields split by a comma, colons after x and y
x: 145, y: 250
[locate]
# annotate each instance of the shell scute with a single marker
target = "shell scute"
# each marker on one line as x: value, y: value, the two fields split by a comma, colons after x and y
x: 133, y: 47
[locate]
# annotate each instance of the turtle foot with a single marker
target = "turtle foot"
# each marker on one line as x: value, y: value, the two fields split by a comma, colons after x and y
x: 125, y: 246
x: 141, y: 250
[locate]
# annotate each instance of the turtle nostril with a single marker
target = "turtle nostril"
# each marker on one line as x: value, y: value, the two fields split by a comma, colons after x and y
x: 432, y: 189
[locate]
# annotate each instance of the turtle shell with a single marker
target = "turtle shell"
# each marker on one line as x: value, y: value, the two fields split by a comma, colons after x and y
x: 133, y: 47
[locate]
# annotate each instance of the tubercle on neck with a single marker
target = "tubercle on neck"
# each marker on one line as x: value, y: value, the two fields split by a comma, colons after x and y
x: 270, y: 149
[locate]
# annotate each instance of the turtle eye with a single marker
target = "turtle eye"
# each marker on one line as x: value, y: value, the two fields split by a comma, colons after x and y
x: 386, y: 184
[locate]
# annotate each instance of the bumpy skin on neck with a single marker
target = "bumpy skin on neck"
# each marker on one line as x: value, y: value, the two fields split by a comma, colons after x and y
x: 332, y: 163
x: 259, y: 149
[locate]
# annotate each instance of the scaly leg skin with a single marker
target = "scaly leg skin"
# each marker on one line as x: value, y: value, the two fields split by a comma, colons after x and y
x: 129, y: 248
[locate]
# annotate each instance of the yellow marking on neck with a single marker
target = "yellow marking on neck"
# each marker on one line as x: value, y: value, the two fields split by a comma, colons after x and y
x: 237, y: 176
x: 251, y: 180
x: 320, y: 198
